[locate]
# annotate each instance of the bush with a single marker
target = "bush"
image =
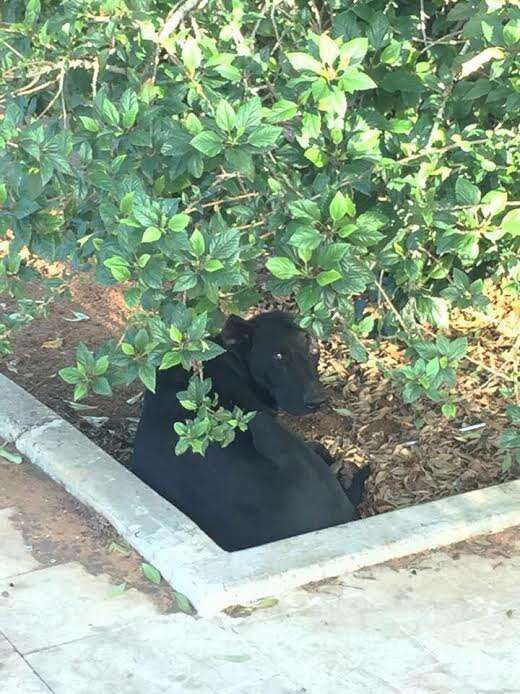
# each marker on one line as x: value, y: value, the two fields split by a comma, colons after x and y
x: 346, y: 155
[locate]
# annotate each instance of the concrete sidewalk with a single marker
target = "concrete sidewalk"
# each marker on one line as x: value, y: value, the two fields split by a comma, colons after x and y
x: 443, y: 622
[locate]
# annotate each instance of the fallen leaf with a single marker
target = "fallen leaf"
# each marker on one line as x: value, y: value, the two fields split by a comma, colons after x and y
x: 77, y: 316
x: 264, y: 603
x: 15, y: 458
x: 182, y: 602
x: 151, y: 573
x: 116, y: 547
x: 116, y: 591
x: 53, y: 344
x: 235, y: 658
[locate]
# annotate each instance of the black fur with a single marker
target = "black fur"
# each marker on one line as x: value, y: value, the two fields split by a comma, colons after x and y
x: 268, y: 484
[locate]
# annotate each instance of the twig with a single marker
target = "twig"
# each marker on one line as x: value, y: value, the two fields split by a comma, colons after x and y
x: 212, y: 203
x: 423, y: 17
x: 62, y: 94
x: 31, y: 89
x: 61, y: 79
x: 95, y: 73
x: 172, y: 21
x: 435, y: 150
x: 13, y: 49
x: 438, y: 41
x: 391, y: 306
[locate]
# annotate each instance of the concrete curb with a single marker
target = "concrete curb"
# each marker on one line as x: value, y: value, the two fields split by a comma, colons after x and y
x: 192, y: 563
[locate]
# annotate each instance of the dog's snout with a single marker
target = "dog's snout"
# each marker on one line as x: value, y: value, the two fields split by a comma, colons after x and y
x: 314, y: 400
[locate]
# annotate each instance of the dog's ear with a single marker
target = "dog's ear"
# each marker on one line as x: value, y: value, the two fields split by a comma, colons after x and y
x: 236, y: 331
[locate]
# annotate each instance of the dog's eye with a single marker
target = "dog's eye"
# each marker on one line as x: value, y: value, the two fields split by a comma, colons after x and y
x: 278, y: 356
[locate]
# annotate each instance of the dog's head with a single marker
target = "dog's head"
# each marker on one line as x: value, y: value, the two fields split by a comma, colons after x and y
x: 281, y: 357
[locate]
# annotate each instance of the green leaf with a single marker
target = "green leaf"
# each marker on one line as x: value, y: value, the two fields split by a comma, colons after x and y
x: 212, y: 265
x: 126, y: 203
x: 363, y: 142
x: 354, y: 80
x: 32, y: 11
x: 466, y: 193
x: 151, y: 573
x: 151, y: 234
x: 197, y: 243
x: 316, y: 156
x: 119, y: 268
x: 169, y: 360
x: 101, y: 386
x: 304, y: 62
x: 378, y: 29
x: 512, y: 31
x: 494, y: 202
x: 283, y: 268
x: 15, y: 458
x: 306, y: 237
x: 116, y: 591
x: 185, y: 281
x: 458, y: 348
x: 305, y: 209
x: 353, y: 52
x: 401, y: 80
x: 225, y: 116
x: 265, y: 136
x: 432, y: 368
x: 249, y: 115
x: 71, y: 375
x: 449, y: 410
x: 328, y: 49
x: 147, y: 376
x: 207, y: 142
x: 109, y: 112
x: 127, y: 349
x: 411, y: 392
x: 101, y: 366
x: 89, y: 124
x: 439, y: 312
x: 240, y: 160
x: 282, y: 110
x: 178, y: 222
x: 129, y: 108
x: 80, y: 391
x: 511, y: 223
x: 328, y: 277
x: 191, y: 55
x: 236, y: 658
x: 3, y: 193
x: 341, y: 206
x: 391, y: 53
x: 183, y: 603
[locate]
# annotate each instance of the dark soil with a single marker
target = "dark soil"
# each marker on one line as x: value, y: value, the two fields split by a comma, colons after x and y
x: 415, y: 454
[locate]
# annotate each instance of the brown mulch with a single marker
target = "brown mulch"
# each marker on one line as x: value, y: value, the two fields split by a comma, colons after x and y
x: 415, y: 454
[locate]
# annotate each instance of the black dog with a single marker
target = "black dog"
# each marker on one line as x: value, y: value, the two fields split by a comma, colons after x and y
x: 268, y: 484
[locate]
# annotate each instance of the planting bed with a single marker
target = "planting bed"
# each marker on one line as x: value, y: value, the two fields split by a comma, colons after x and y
x: 415, y: 454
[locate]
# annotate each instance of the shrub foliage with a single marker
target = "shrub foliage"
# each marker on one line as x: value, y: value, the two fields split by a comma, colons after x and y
x: 345, y: 154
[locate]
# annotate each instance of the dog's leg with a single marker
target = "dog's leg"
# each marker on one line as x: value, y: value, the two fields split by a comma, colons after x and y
x: 357, y: 486
x: 320, y: 450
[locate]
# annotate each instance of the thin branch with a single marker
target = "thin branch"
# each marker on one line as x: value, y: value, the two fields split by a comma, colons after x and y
x: 423, y: 17
x: 13, y: 49
x: 172, y: 21
x: 435, y: 150
x: 391, y: 306
x: 51, y: 103
x: 212, y: 203
x: 95, y: 73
